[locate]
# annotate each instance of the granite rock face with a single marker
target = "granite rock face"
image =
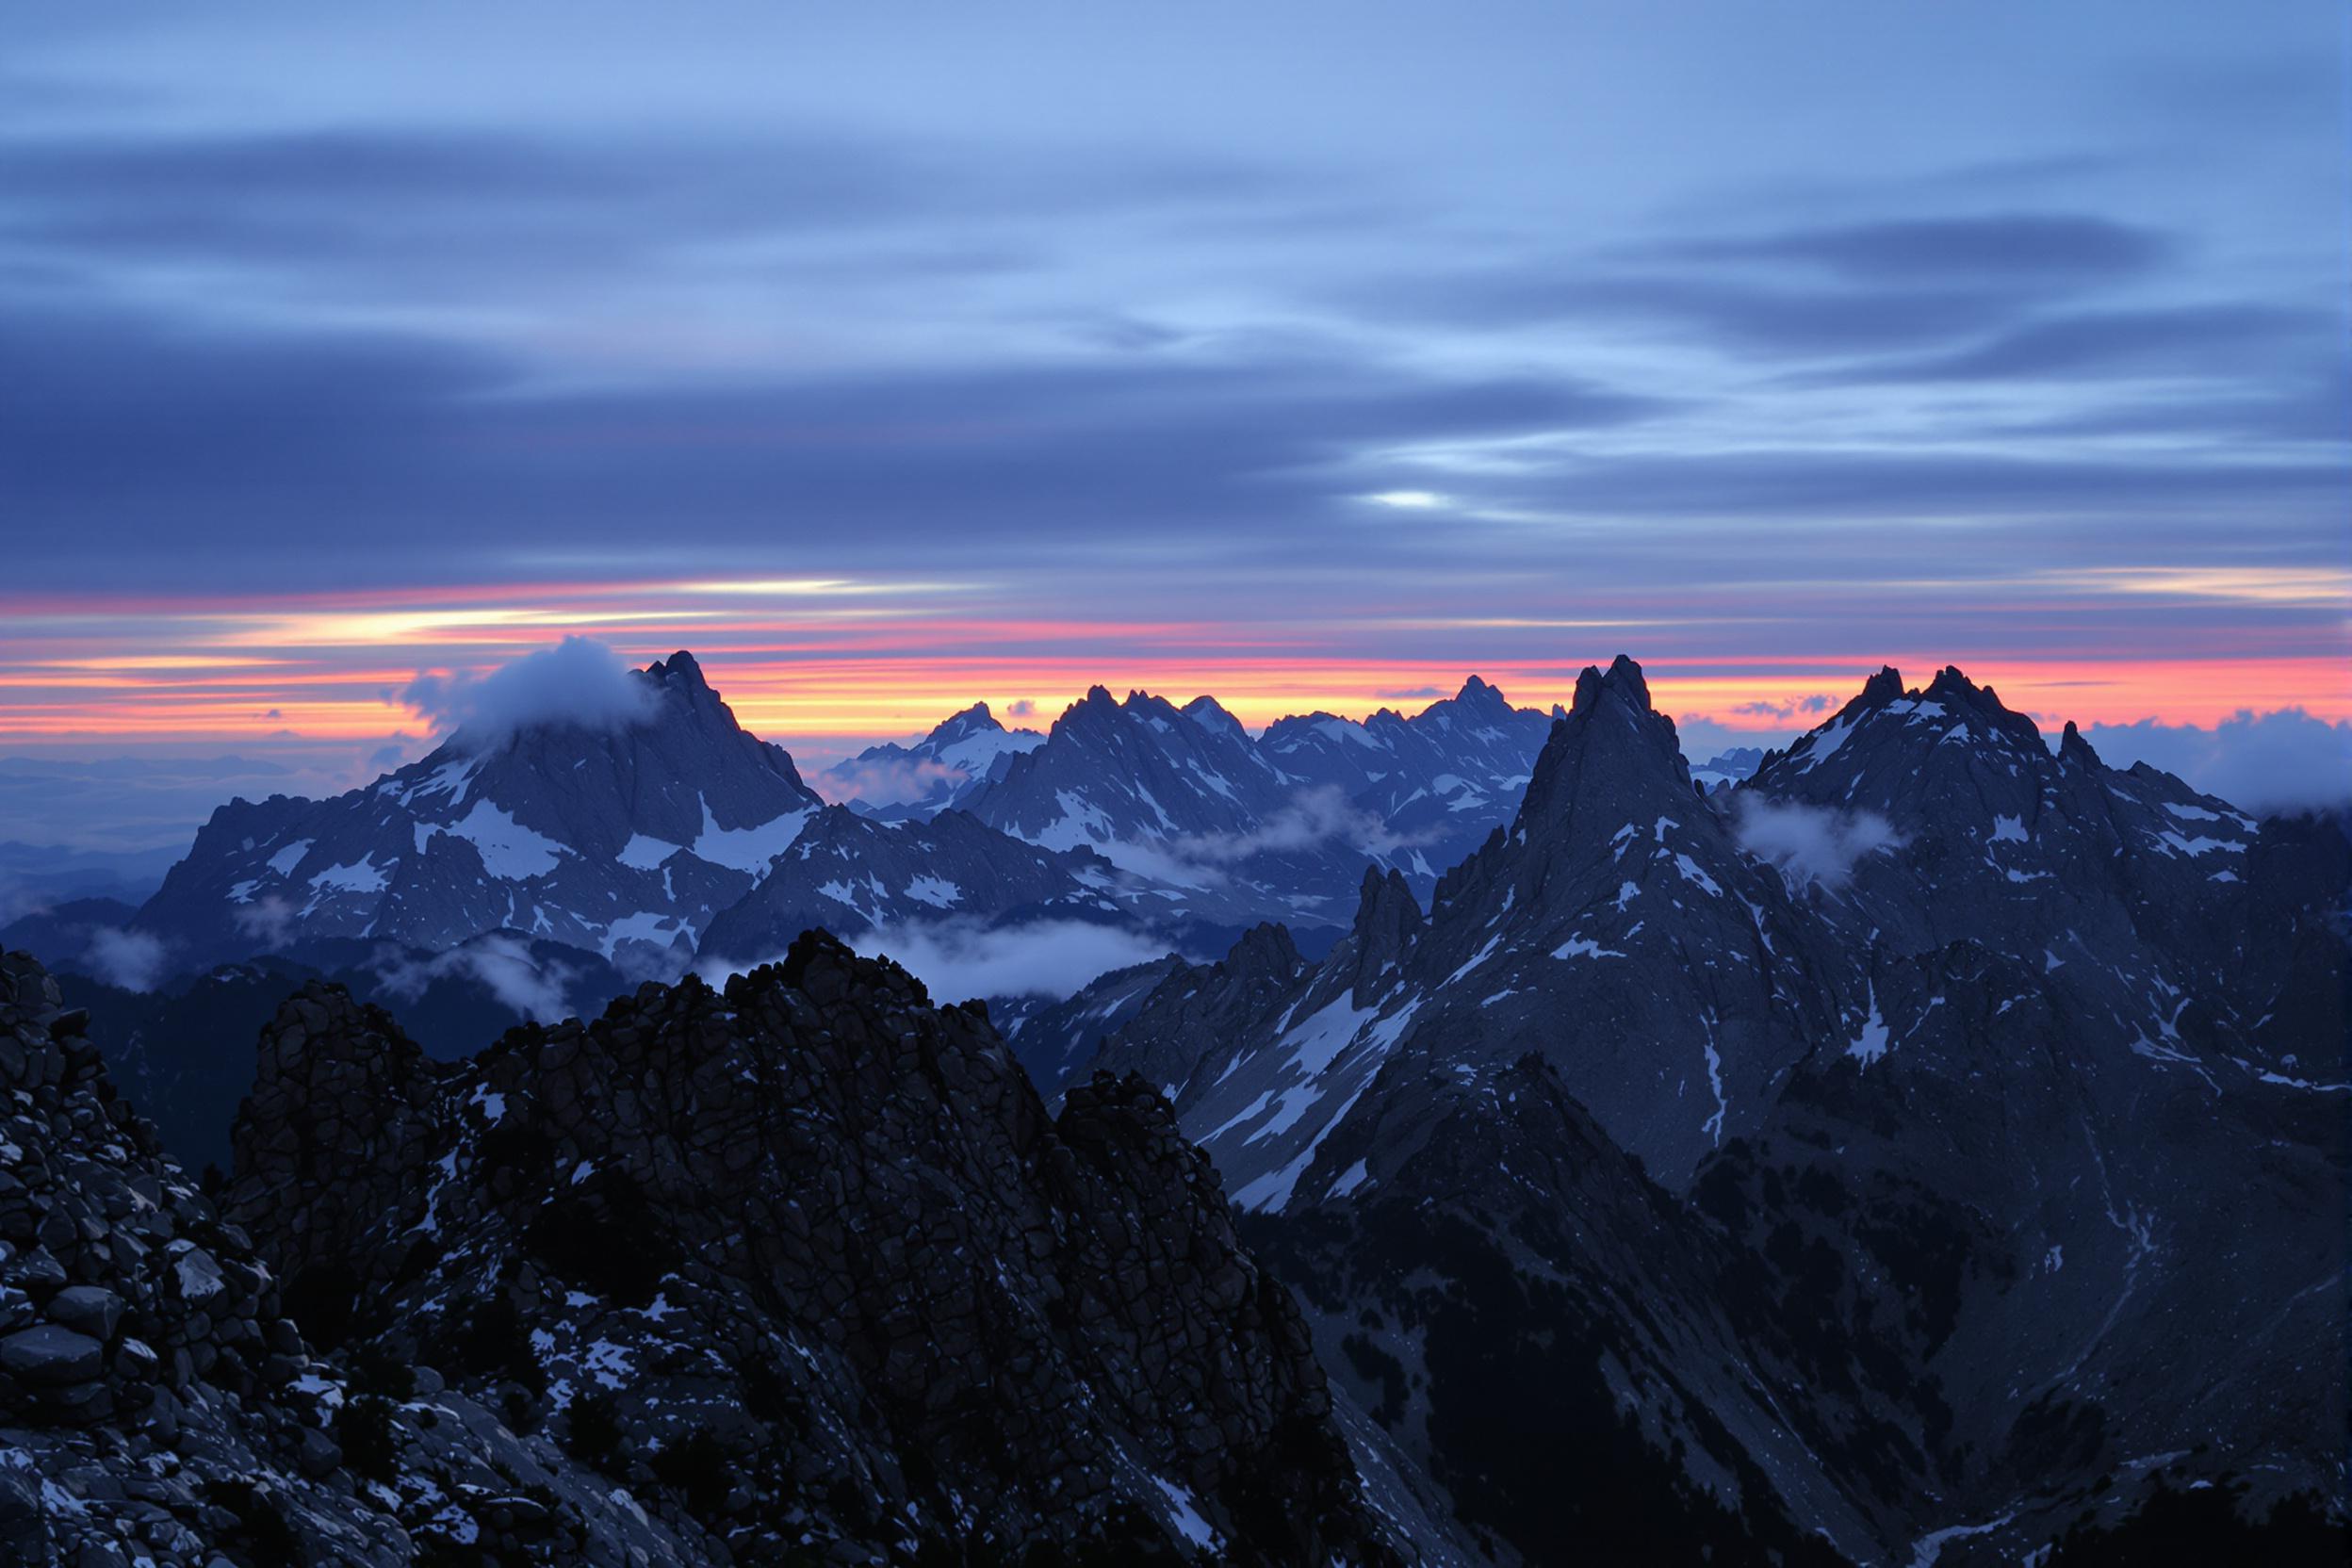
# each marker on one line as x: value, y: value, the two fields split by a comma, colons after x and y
x: 822, y: 1240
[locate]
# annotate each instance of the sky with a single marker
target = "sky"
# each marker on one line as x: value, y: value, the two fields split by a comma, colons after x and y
x: 1314, y: 355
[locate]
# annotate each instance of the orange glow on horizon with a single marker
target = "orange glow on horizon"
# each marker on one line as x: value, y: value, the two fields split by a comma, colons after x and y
x: 830, y: 659
x: 782, y: 700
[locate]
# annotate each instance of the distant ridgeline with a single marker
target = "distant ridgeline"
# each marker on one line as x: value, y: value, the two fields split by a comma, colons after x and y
x: 1916, y: 1145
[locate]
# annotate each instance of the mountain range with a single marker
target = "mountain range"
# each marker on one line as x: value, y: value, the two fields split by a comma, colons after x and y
x: 1918, y: 1144
x: 672, y: 837
x: 1929, y: 1140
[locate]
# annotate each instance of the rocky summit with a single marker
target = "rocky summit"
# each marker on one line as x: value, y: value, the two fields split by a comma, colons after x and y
x: 798, y: 1272
x: 622, y: 837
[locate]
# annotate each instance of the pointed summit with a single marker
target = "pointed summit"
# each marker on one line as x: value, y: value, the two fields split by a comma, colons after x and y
x: 1388, y: 918
x: 2074, y: 751
x: 1612, y: 745
x: 679, y: 670
x: 976, y: 720
x: 1882, y: 688
x: 1625, y: 678
x: 1211, y: 715
x: 1266, y: 950
x: 1482, y: 696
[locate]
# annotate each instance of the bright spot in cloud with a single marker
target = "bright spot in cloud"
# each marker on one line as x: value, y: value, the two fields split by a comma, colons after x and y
x: 1410, y: 500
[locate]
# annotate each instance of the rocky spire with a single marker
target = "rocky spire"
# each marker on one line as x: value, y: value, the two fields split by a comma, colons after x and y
x: 1613, y: 742
x: 1266, y: 950
x: 2074, y: 751
x: 1882, y: 688
x: 679, y: 670
x: 1388, y: 918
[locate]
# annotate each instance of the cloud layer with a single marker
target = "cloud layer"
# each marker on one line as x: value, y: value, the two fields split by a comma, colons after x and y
x: 500, y: 964
x: 578, y: 683
x: 959, y: 960
x: 131, y: 960
x: 2262, y: 762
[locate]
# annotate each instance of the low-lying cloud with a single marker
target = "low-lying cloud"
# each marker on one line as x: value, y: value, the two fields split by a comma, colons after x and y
x: 1313, y: 818
x: 578, y: 683
x: 957, y: 959
x: 502, y: 965
x: 2271, y: 764
x: 1809, y: 845
x: 885, y: 780
x: 132, y: 959
x: 1788, y: 710
x: 268, y: 921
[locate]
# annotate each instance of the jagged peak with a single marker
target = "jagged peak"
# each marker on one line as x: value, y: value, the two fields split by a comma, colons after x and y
x: 968, y: 721
x: 1265, y: 949
x: 1388, y: 920
x: 1882, y: 688
x: 1477, y: 692
x: 1385, y: 896
x: 1951, y: 683
x: 1611, y: 734
x: 1625, y: 678
x: 1096, y: 705
x: 2073, y: 748
x: 680, y: 669
x: 1211, y: 714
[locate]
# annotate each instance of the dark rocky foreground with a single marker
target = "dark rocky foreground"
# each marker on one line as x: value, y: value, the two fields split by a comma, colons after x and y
x: 798, y: 1272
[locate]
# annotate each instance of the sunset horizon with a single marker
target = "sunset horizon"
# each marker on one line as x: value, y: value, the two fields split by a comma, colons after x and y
x: 1052, y: 785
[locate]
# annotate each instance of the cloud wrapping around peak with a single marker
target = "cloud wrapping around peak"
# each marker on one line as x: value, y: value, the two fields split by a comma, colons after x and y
x: 2271, y: 764
x: 1809, y: 845
x: 959, y: 959
x: 580, y: 683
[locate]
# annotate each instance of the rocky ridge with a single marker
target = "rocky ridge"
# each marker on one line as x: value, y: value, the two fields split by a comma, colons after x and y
x: 824, y: 1237
x: 797, y: 1272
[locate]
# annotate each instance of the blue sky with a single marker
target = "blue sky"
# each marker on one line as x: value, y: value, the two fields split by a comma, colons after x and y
x: 1333, y: 348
